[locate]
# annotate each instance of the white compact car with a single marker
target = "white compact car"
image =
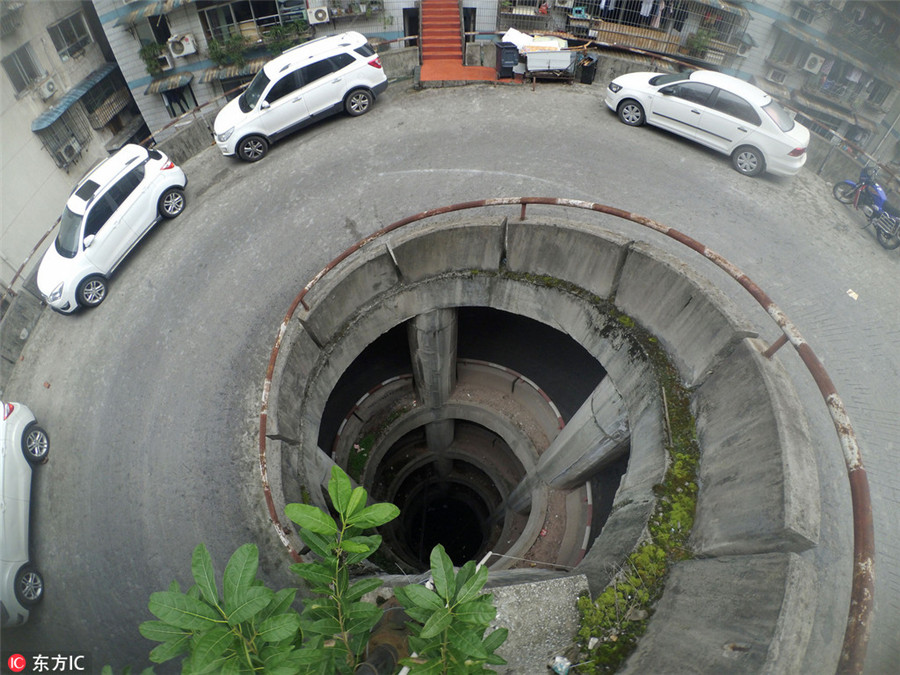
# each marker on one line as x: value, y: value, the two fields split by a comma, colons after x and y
x: 719, y: 111
x: 106, y: 215
x: 306, y: 83
x: 22, y: 444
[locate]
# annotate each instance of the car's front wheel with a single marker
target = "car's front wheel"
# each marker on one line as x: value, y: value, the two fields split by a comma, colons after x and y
x: 252, y: 148
x: 35, y: 444
x: 29, y: 586
x: 171, y: 203
x: 92, y: 291
x: 748, y: 161
x: 631, y: 113
x: 359, y: 102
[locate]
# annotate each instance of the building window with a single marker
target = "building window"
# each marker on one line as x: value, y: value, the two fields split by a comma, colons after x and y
x: 70, y: 35
x: 23, y: 68
x: 786, y: 50
x: 879, y: 92
x: 179, y: 101
x: 67, y: 137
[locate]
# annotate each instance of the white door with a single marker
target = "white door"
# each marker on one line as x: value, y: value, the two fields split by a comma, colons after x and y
x: 327, y: 81
x: 283, y: 106
x: 679, y: 107
x: 727, y: 123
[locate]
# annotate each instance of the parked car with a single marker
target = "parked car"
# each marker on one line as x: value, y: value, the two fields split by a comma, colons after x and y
x: 305, y: 84
x: 719, y: 111
x: 106, y: 215
x: 23, y: 444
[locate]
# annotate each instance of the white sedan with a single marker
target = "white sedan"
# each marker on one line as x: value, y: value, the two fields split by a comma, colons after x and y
x: 719, y: 111
x: 22, y: 444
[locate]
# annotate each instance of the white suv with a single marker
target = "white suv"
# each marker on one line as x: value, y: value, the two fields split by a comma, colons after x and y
x: 106, y: 215
x: 303, y: 85
x: 23, y: 444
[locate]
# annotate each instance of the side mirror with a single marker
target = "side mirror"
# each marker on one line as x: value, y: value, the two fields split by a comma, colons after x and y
x: 265, y: 105
x: 88, y: 240
x: 667, y: 91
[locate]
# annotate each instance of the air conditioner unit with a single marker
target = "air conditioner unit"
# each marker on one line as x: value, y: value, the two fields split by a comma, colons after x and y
x: 813, y: 63
x: 776, y: 76
x: 318, y: 15
x: 165, y: 61
x: 47, y: 88
x: 568, y: 4
x: 804, y: 15
x: 182, y: 45
x: 71, y: 150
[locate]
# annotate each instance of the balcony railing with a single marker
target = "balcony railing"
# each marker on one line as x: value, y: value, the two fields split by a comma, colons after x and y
x: 109, y: 108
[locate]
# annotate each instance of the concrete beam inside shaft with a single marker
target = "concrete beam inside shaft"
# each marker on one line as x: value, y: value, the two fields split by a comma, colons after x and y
x: 432, y: 346
x: 596, y: 435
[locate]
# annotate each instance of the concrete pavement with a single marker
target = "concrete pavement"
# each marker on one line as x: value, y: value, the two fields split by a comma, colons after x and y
x: 152, y: 397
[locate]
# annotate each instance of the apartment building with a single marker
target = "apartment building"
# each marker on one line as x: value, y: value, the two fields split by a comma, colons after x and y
x: 63, y: 106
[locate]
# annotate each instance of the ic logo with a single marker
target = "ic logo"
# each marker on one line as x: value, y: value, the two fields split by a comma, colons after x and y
x: 17, y: 663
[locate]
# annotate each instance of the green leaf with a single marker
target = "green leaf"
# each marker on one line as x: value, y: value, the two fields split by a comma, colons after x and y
x: 161, y: 631
x: 372, y: 542
x: 311, y: 518
x: 468, y: 642
x: 432, y: 667
x: 204, y: 574
x: 354, y: 546
x: 280, y: 627
x: 417, y: 613
x: 357, y: 500
x: 361, y: 587
x: 339, y: 489
x: 419, y: 596
x: 210, y: 646
x: 248, y: 603
x: 169, y: 650
x: 436, y: 623
x: 374, y: 516
x: 240, y: 572
x: 280, y: 603
x: 495, y: 639
x: 183, y: 611
x: 327, y: 627
x: 470, y: 585
x: 320, y: 544
x: 315, y: 573
x: 476, y: 612
x: 442, y: 573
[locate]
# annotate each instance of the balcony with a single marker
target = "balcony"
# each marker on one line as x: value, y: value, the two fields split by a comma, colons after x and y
x: 10, y: 17
x: 109, y: 108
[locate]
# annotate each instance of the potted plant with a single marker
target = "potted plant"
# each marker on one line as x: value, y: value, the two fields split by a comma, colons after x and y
x: 697, y: 43
x: 150, y: 54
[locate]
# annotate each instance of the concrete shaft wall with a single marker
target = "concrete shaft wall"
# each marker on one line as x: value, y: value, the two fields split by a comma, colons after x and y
x: 758, y: 499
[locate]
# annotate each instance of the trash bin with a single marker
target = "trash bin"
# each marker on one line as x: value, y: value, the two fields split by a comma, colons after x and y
x: 507, y: 59
x: 589, y: 68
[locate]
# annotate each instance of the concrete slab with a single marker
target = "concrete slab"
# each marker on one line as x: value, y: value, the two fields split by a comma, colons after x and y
x: 746, y: 614
x: 542, y: 620
x: 759, y: 488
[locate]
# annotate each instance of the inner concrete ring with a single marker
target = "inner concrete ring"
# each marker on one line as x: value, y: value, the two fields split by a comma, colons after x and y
x: 758, y: 502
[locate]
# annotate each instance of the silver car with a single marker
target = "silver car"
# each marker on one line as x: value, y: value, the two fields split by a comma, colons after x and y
x: 23, y: 444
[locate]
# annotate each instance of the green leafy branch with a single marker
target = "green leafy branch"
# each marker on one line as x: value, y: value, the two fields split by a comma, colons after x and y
x: 448, y: 632
x: 337, y: 623
x: 246, y: 628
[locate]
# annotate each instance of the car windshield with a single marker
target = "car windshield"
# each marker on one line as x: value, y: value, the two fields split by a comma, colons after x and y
x: 69, y: 234
x: 779, y: 115
x: 249, y: 98
x: 669, y: 78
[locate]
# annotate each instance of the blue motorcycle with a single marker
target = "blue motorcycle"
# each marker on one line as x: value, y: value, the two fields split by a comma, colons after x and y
x: 867, y: 195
